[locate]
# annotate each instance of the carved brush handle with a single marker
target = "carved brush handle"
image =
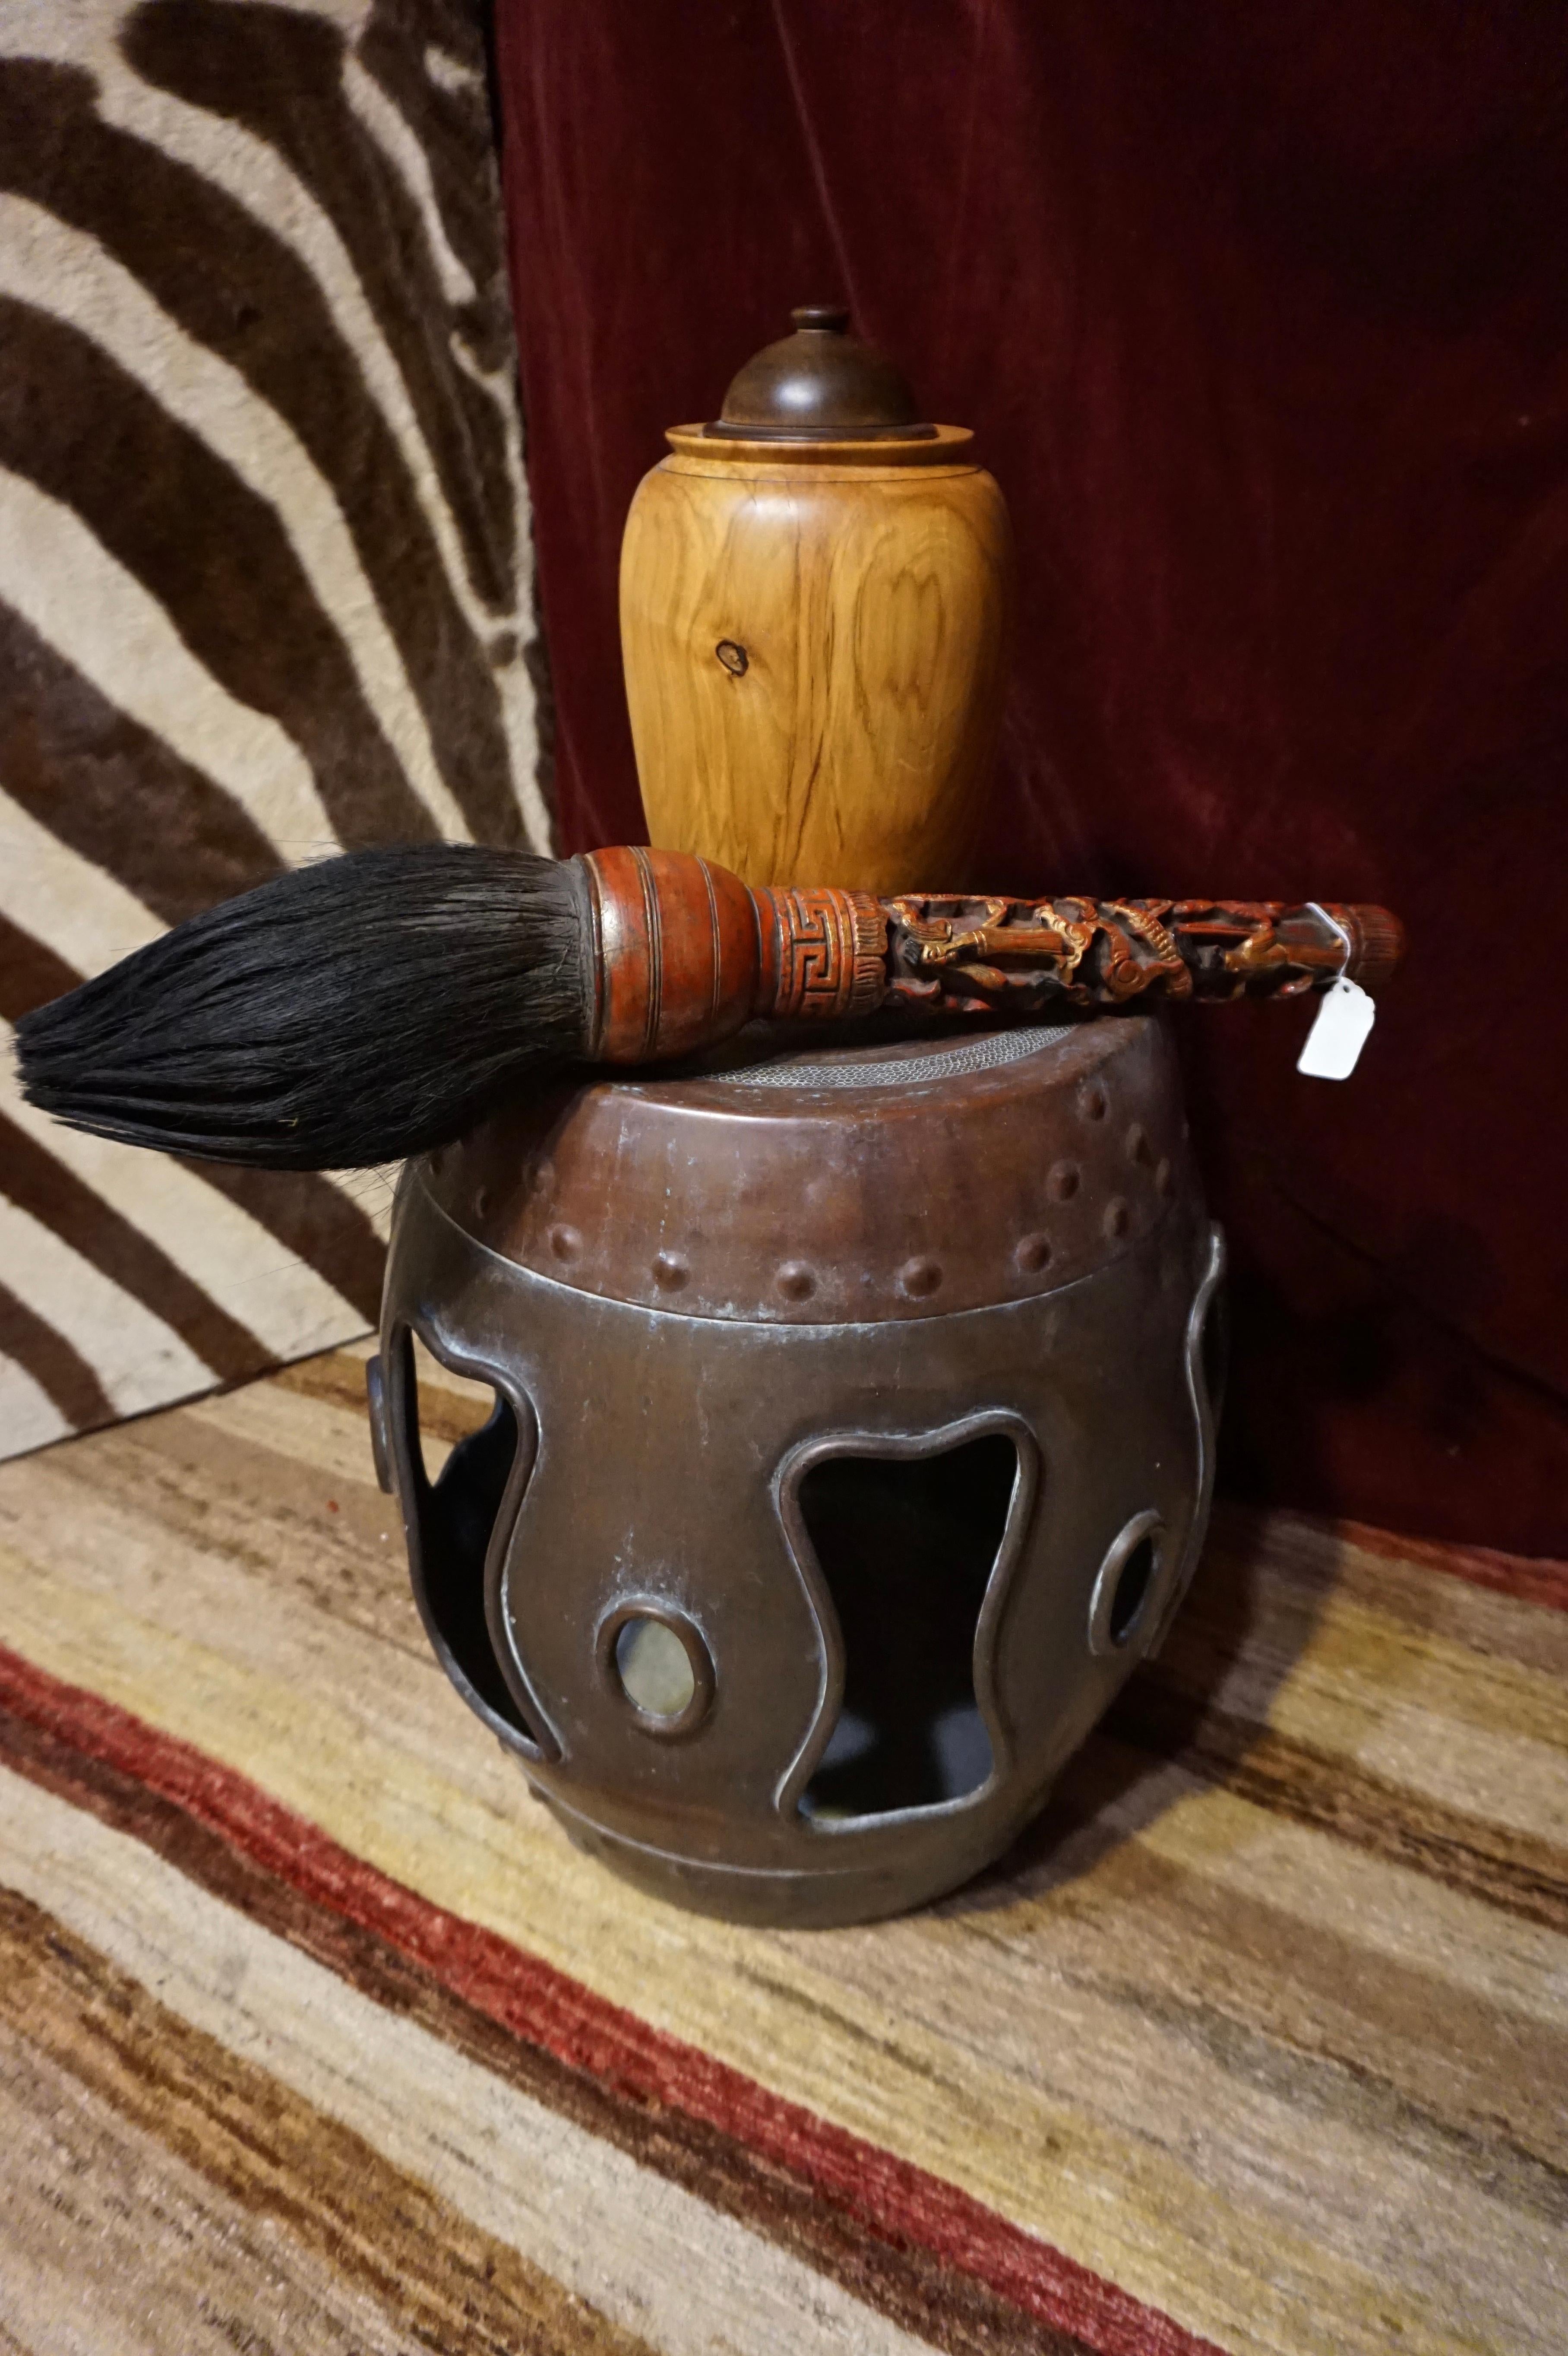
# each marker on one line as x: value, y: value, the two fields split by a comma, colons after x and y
x: 994, y: 955
x: 684, y: 953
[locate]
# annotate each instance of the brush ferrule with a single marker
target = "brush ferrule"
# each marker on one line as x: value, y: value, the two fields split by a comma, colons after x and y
x: 675, y: 950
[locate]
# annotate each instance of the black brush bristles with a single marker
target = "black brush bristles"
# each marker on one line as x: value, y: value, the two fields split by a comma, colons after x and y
x: 337, y: 1018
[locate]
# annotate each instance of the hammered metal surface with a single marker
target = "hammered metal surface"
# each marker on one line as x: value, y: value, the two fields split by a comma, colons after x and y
x: 922, y: 1192
x: 1026, y: 1255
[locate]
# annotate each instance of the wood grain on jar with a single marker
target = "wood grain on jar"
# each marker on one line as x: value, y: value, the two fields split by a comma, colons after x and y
x: 815, y: 639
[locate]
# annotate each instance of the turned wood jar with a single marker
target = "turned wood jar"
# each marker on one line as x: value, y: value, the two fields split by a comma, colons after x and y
x: 816, y: 594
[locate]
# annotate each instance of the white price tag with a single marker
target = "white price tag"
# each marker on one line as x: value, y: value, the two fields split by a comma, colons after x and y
x: 1345, y: 1017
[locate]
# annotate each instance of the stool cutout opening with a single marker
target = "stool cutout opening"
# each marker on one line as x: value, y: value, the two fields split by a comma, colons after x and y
x: 906, y: 1547
x: 464, y: 1455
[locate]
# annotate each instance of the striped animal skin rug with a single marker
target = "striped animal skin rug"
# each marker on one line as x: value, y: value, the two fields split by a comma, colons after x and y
x: 317, y: 2038
x: 265, y: 590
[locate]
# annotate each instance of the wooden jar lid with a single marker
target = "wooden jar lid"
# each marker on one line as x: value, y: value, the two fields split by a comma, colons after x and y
x: 940, y: 449
x: 819, y: 384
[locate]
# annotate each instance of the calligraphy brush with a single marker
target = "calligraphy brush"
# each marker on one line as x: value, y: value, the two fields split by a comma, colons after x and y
x: 377, y: 1004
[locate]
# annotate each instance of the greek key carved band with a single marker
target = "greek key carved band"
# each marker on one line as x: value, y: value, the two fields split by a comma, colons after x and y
x: 830, y: 947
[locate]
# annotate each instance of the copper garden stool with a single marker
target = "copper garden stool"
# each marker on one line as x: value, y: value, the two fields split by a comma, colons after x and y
x: 853, y: 1442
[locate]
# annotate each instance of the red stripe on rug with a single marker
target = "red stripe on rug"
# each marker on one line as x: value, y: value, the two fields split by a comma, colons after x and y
x: 902, y: 2202
x: 1528, y: 1578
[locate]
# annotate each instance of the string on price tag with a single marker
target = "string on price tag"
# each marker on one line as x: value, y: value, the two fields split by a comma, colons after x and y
x: 1344, y: 1018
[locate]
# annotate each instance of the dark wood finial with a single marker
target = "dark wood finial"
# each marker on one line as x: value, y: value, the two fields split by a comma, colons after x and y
x: 821, y: 384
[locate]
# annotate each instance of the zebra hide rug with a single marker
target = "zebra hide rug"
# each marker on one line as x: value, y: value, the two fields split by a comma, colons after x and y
x: 265, y: 590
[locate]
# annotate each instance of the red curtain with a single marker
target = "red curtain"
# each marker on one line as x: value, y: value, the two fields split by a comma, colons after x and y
x: 1262, y: 316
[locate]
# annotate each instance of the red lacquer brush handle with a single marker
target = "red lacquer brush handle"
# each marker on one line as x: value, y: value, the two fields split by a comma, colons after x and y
x: 684, y: 953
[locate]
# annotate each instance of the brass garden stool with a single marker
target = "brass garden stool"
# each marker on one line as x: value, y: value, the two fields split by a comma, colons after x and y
x: 853, y: 1442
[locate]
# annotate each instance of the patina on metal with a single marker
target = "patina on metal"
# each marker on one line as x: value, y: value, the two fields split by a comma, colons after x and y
x: 853, y: 1442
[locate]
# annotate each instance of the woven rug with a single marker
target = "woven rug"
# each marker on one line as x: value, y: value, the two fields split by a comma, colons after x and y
x: 316, y: 2035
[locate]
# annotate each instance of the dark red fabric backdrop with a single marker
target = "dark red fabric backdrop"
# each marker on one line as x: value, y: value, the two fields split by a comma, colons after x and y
x: 1261, y: 314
